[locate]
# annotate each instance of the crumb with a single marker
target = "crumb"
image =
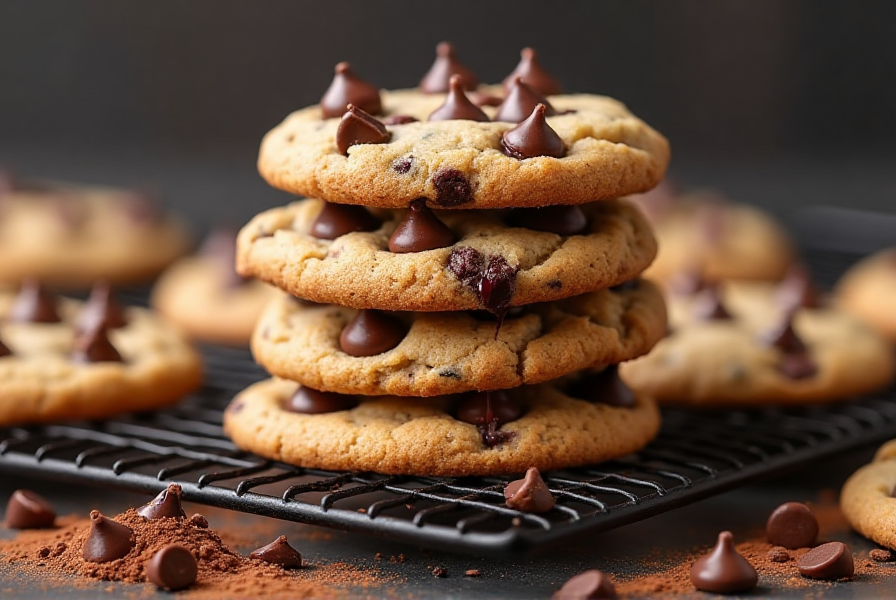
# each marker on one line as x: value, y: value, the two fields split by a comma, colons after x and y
x: 472, y: 572
x: 880, y: 555
x: 439, y: 572
x: 378, y: 556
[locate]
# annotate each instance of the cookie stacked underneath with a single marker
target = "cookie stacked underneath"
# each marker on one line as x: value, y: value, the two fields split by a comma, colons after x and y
x: 461, y: 282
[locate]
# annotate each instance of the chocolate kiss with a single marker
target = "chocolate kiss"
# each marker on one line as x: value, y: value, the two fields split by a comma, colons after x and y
x: 420, y: 230
x: 93, y: 345
x: 559, y: 219
x: 371, y: 332
x: 347, y: 88
x: 166, y: 504
x: 797, y: 290
x: 529, y: 494
x: 107, y: 539
x: 309, y: 401
x: 482, y: 408
x: 590, y: 585
x: 437, y: 79
x: 28, y: 510
x: 101, y: 309
x: 531, y: 72
x: 358, y: 127
x: 724, y: 570
x: 4, y: 350
x: 33, y: 304
x: 457, y: 106
x: 521, y: 100
x: 708, y: 305
x: 336, y: 220
x: 533, y: 137
x: 279, y: 552
x: 604, y: 387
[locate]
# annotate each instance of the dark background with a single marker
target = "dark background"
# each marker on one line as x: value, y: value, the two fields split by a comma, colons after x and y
x: 780, y: 103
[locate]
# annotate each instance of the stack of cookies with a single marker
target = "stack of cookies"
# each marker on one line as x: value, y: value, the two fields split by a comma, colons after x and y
x: 462, y: 279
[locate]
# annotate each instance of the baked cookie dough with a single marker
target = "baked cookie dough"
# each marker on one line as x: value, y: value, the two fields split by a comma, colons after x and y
x: 450, y: 352
x: 46, y: 376
x: 460, y: 163
x: 71, y: 236
x: 867, y: 499
x: 358, y: 270
x: 867, y: 291
x: 751, y: 359
x: 421, y: 437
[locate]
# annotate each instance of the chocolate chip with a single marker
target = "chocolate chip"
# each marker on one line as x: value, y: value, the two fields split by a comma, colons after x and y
x: 358, y: 127
x: 4, y: 350
x: 533, y: 74
x: 590, y: 585
x: 33, y: 304
x: 778, y: 555
x: 107, y: 539
x: 880, y: 555
x: 336, y: 220
x: 533, y: 137
x: 437, y: 79
x: 399, y: 120
x: 498, y: 284
x: 797, y: 366
x: 172, y: 568
x: 308, y: 401
x: 347, y: 88
x: 482, y: 408
x: 452, y: 187
x: 724, y: 570
x: 559, y: 219
x: 604, y: 387
x: 93, y: 346
x: 457, y: 106
x: 166, y: 504
x: 529, y: 494
x: 792, y: 525
x: 420, y: 230
x: 797, y: 290
x: 199, y: 521
x: 555, y: 284
x: 220, y: 247
x: 467, y: 264
x: 828, y: 561
x: 279, y: 552
x: 371, y: 332
x: 708, y: 305
x: 101, y: 309
x: 403, y: 165
x: 29, y: 510
x: 521, y: 100
x: 439, y: 572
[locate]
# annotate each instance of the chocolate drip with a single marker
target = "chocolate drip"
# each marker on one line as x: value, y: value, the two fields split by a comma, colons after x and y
x: 529, y: 494
x: 521, y: 100
x: 166, y: 504
x: 533, y: 137
x: 308, y: 401
x: 279, y: 552
x: 101, y: 309
x: 604, y: 387
x: 420, y: 230
x: 372, y: 332
x: 559, y: 219
x: 33, y: 304
x: 336, y: 220
x: 533, y: 74
x: 446, y: 64
x: 28, y: 510
x: 107, y: 539
x: 347, y: 88
x: 493, y: 279
x: 93, y: 345
x: 457, y: 106
x: 220, y: 246
x: 489, y: 411
x: 358, y: 127
x: 708, y: 305
x: 724, y: 570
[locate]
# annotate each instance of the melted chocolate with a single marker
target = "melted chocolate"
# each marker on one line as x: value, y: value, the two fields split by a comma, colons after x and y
x: 437, y: 79
x: 358, y: 127
x: 101, y: 309
x: 533, y: 137
x: 336, y: 220
x: 33, y: 304
x: 521, y: 100
x: 559, y: 219
x: 493, y: 279
x: 533, y: 74
x: 489, y: 411
x: 457, y: 106
x: 372, y: 332
x: 347, y: 88
x: 93, y: 345
x: 420, y: 230
x: 107, y: 539
x: 279, y: 552
x: 452, y: 187
x: 724, y: 570
x: 308, y: 401
x: 529, y: 494
x: 604, y: 387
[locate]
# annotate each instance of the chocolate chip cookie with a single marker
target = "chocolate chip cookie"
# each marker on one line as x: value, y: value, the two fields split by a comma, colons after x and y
x: 867, y: 499
x: 867, y: 291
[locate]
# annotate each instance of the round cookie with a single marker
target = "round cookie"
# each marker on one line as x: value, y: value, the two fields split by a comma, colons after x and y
x: 867, y: 291
x: 359, y: 271
x: 459, y: 163
x: 40, y: 381
x: 420, y: 437
x: 71, y: 236
x: 867, y: 499
x: 452, y: 352
x: 751, y: 359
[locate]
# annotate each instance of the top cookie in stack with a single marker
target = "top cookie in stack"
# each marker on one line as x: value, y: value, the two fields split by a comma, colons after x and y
x: 538, y: 283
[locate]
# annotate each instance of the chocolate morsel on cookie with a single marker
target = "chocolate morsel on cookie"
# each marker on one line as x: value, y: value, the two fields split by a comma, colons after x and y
x: 452, y: 187
x: 796, y: 290
x: 399, y: 120
x: 33, y: 304
x: 481, y: 408
x: 604, y: 387
x: 708, y: 305
x: 93, y: 346
x: 279, y: 552
x: 437, y: 79
x: 828, y: 561
x: 590, y: 585
x: 521, y: 100
x: 29, y: 510
x: 723, y: 570
x: 166, y: 504
x: 336, y: 220
x: 797, y: 366
x: 529, y: 69
x: 795, y: 362
x: 372, y: 332
x: 101, y: 309
x: 308, y: 401
x: 172, y: 568
x: 107, y: 540
x: 4, y: 350
x: 457, y: 106
x: 359, y: 127
x: 493, y: 279
x: 559, y: 219
x: 419, y: 230
x: 792, y: 525
x: 533, y: 137
x: 347, y: 88
x: 529, y: 494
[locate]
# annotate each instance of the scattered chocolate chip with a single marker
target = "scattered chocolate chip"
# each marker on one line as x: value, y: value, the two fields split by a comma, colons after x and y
x: 533, y: 137
x: 880, y: 555
x: 497, y: 285
x: 778, y: 555
x: 437, y: 79
x: 93, y: 346
x: 347, y: 88
x: 33, y: 304
x: 604, y: 387
x: 559, y: 219
x: 457, y: 106
x: 107, y: 539
x: 590, y: 585
x: 399, y: 120
x: 372, y: 332
x: 308, y: 401
x: 4, y: 350
x: 403, y: 165
x: 467, y: 265
x: 452, y: 187
x: 172, y: 568
x: 828, y: 561
x: 420, y: 230
x: 723, y: 570
x: 519, y: 103
x: 439, y: 572
x: 792, y: 525
x: 166, y: 504
x: 533, y: 74
x: 358, y: 127
x: 472, y: 573
x: 708, y: 305
x: 220, y: 247
x: 529, y: 494
x: 336, y: 220
x: 101, y: 309
x: 29, y: 510
x: 199, y: 521
x: 797, y: 290
x: 279, y: 552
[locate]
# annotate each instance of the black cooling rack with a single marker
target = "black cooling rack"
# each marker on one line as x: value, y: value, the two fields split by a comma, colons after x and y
x: 696, y: 455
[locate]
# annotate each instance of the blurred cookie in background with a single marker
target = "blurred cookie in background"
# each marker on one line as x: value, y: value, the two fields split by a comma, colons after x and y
x: 867, y: 290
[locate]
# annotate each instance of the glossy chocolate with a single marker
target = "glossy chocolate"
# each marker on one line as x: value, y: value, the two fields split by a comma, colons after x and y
x: 533, y: 137
x: 437, y: 79
x: 559, y: 219
x: 372, y: 332
x: 708, y: 305
x: 420, y: 230
x: 101, y: 309
x: 829, y: 561
x: 33, y: 304
x: 172, y: 568
x: 529, y: 494
x: 529, y: 69
x: 792, y: 525
x: 723, y: 570
x: 279, y: 552
x: 347, y: 88
x: 107, y: 539
x: 166, y: 504
x: 498, y: 284
x: 308, y: 401
x: 457, y: 106
x: 359, y: 127
x: 603, y: 387
x: 29, y: 510
x: 519, y: 103
x: 590, y: 585
x: 482, y: 408
x: 336, y: 220
x: 93, y: 346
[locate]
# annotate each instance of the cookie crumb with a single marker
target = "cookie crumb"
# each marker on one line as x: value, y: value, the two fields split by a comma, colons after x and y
x: 880, y: 555
x: 778, y: 554
x: 472, y: 573
x: 439, y: 572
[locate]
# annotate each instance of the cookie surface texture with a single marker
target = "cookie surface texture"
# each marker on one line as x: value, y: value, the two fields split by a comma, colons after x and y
x: 867, y: 498
x: 867, y: 291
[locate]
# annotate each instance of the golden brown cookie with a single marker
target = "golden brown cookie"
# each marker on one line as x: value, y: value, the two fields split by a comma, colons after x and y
x: 867, y: 291
x: 867, y: 498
